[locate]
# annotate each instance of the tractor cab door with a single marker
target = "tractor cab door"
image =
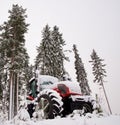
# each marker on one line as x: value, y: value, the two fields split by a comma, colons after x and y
x: 33, y: 87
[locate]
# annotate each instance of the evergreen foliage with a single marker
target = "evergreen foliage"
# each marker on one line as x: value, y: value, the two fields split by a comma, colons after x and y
x: 0, y: 89
x: 58, y: 55
x: 12, y: 39
x: 50, y: 57
x: 98, y: 68
x: 13, y: 52
x: 43, y: 58
x: 81, y: 73
x: 99, y: 73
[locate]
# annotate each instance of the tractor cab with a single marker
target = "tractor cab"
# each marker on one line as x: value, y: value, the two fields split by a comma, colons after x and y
x: 42, y: 82
x: 33, y: 87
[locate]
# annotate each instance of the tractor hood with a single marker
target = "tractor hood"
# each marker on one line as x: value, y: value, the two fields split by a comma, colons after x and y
x: 73, y: 86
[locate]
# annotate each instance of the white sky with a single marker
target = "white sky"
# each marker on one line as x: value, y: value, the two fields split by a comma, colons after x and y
x: 87, y: 23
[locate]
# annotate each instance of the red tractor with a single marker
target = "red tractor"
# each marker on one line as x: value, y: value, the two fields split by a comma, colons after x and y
x: 50, y: 97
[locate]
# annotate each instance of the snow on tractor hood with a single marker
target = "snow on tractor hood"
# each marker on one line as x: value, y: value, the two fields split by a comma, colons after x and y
x: 73, y: 86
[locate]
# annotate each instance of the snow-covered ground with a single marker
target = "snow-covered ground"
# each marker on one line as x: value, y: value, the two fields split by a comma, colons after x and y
x: 76, y: 119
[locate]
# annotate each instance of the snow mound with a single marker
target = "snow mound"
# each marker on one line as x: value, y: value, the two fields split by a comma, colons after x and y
x: 89, y: 119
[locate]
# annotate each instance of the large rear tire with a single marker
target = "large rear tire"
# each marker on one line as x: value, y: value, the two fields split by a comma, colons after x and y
x: 87, y: 107
x: 49, y: 104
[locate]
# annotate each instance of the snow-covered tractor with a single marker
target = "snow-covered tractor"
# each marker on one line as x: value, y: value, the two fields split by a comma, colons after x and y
x: 50, y: 97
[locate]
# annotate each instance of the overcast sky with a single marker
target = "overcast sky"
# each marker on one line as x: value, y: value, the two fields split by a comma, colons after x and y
x: 90, y: 24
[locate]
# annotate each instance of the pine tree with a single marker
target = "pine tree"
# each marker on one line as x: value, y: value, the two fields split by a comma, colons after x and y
x: 4, y: 69
x: 50, y: 56
x: 1, y: 67
x: 43, y: 60
x: 14, y: 51
x: 58, y: 55
x: 3, y: 84
x: 81, y: 74
x: 98, y: 68
x: 99, y: 72
x: 30, y: 73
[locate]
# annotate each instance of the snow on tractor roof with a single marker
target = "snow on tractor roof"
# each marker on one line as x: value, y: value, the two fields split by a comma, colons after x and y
x: 31, y: 79
x: 46, y: 81
x: 47, y: 78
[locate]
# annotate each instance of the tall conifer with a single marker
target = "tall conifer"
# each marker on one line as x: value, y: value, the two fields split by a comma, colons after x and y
x: 99, y: 73
x: 58, y: 54
x: 81, y: 73
x: 43, y: 59
x: 14, y: 51
x: 50, y: 57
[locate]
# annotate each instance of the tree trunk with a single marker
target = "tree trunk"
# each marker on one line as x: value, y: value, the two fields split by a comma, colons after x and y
x: 106, y: 98
x: 10, y: 97
x: 13, y: 98
x: 16, y: 94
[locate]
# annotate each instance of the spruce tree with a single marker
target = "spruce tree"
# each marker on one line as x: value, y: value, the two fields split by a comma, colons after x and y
x: 58, y: 54
x: 14, y: 51
x: 43, y: 59
x: 98, y: 68
x: 81, y: 73
x: 3, y: 82
x: 1, y: 69
x: 99, y: 72
x: 50, y: 55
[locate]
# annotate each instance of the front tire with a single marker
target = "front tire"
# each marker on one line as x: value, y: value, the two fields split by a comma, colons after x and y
x: 49, y: 104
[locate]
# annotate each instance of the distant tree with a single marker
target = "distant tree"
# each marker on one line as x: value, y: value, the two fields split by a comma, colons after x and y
x: 50, y: 55
x: 13, y: 51
x: 99, y: 72
x: 81, y: 73
x: 31, y: 72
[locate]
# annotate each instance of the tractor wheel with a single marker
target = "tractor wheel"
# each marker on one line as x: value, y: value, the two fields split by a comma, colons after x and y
x: 49, y: 104
x: 87, y: 107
